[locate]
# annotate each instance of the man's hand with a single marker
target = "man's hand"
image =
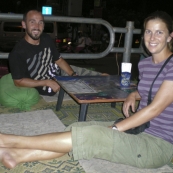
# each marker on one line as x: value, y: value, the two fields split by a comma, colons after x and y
x: 104, y: 74
x: 53, y: 85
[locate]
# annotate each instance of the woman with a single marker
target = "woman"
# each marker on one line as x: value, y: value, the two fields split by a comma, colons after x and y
x: 150, y: 149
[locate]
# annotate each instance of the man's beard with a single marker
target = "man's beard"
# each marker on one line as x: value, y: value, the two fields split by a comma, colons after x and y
x: 34, y: 37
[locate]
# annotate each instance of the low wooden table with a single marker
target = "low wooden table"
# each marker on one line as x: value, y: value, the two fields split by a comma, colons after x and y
x: 92, y: 89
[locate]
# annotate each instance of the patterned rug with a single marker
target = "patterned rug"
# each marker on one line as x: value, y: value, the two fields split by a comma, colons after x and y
x: 68, y: 114
x: 70, y: 111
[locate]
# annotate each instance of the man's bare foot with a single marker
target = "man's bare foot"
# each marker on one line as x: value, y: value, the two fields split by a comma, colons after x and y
x: 6, y: 159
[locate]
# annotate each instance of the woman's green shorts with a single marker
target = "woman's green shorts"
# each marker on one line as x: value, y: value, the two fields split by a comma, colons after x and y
x: 95, y: 140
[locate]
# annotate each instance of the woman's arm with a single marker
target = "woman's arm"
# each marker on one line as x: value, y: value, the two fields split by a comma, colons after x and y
x: 162, y: 99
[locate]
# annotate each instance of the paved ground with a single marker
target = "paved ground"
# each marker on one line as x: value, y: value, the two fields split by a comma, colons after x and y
x: 109, y: 64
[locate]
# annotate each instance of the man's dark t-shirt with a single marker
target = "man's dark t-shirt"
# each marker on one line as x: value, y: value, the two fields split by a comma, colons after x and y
x: 35, y: 61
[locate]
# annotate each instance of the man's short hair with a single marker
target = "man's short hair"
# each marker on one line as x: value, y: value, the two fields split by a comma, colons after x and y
x: 26, y: 13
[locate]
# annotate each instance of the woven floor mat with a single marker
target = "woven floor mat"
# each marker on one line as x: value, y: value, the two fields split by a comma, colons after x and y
x: 46, y: 121
x: 34, y: 123
x: 102, y: 166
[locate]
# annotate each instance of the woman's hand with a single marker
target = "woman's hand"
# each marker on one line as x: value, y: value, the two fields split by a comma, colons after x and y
x: 130, y: 102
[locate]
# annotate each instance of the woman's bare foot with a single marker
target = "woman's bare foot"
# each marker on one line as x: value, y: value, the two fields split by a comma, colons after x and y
x: 6, y: 159
x: 10, y: 157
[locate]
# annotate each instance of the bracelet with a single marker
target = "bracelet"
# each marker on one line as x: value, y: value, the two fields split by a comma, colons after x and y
x: 74, y: 73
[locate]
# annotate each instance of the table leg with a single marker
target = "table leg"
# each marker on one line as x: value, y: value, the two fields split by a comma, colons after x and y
x: 60, y: 99
x: 113, y: 104
x: 83, y: 112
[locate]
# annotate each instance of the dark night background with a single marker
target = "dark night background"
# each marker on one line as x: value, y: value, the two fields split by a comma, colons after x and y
x: 116, y: 12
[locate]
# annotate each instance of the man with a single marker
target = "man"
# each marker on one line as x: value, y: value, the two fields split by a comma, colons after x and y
x: 35, y: 59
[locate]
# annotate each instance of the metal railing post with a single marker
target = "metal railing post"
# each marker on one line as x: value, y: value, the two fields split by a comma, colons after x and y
x: 128, y: 41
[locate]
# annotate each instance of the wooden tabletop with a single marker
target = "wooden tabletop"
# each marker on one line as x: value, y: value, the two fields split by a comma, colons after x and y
x: 94, y: 89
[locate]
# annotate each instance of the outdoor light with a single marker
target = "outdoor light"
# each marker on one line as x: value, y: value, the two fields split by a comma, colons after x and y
x: 46, y: 10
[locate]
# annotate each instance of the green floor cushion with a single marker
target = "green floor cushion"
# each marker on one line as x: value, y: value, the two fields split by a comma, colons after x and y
x: 18, y: 97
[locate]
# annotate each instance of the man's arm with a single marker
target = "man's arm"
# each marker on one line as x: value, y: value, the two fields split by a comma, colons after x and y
x: 65, y: 66
x: 26, y: 82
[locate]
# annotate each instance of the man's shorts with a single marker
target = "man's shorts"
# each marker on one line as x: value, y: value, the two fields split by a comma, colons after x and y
x: 95, y: 140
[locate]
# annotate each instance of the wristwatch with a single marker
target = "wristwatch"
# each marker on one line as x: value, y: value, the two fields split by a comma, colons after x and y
x: 114, y: 127
x: 74, y: 73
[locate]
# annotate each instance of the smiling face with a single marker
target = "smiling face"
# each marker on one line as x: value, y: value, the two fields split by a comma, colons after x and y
x: 34, y: 25
x: 156, y: 36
